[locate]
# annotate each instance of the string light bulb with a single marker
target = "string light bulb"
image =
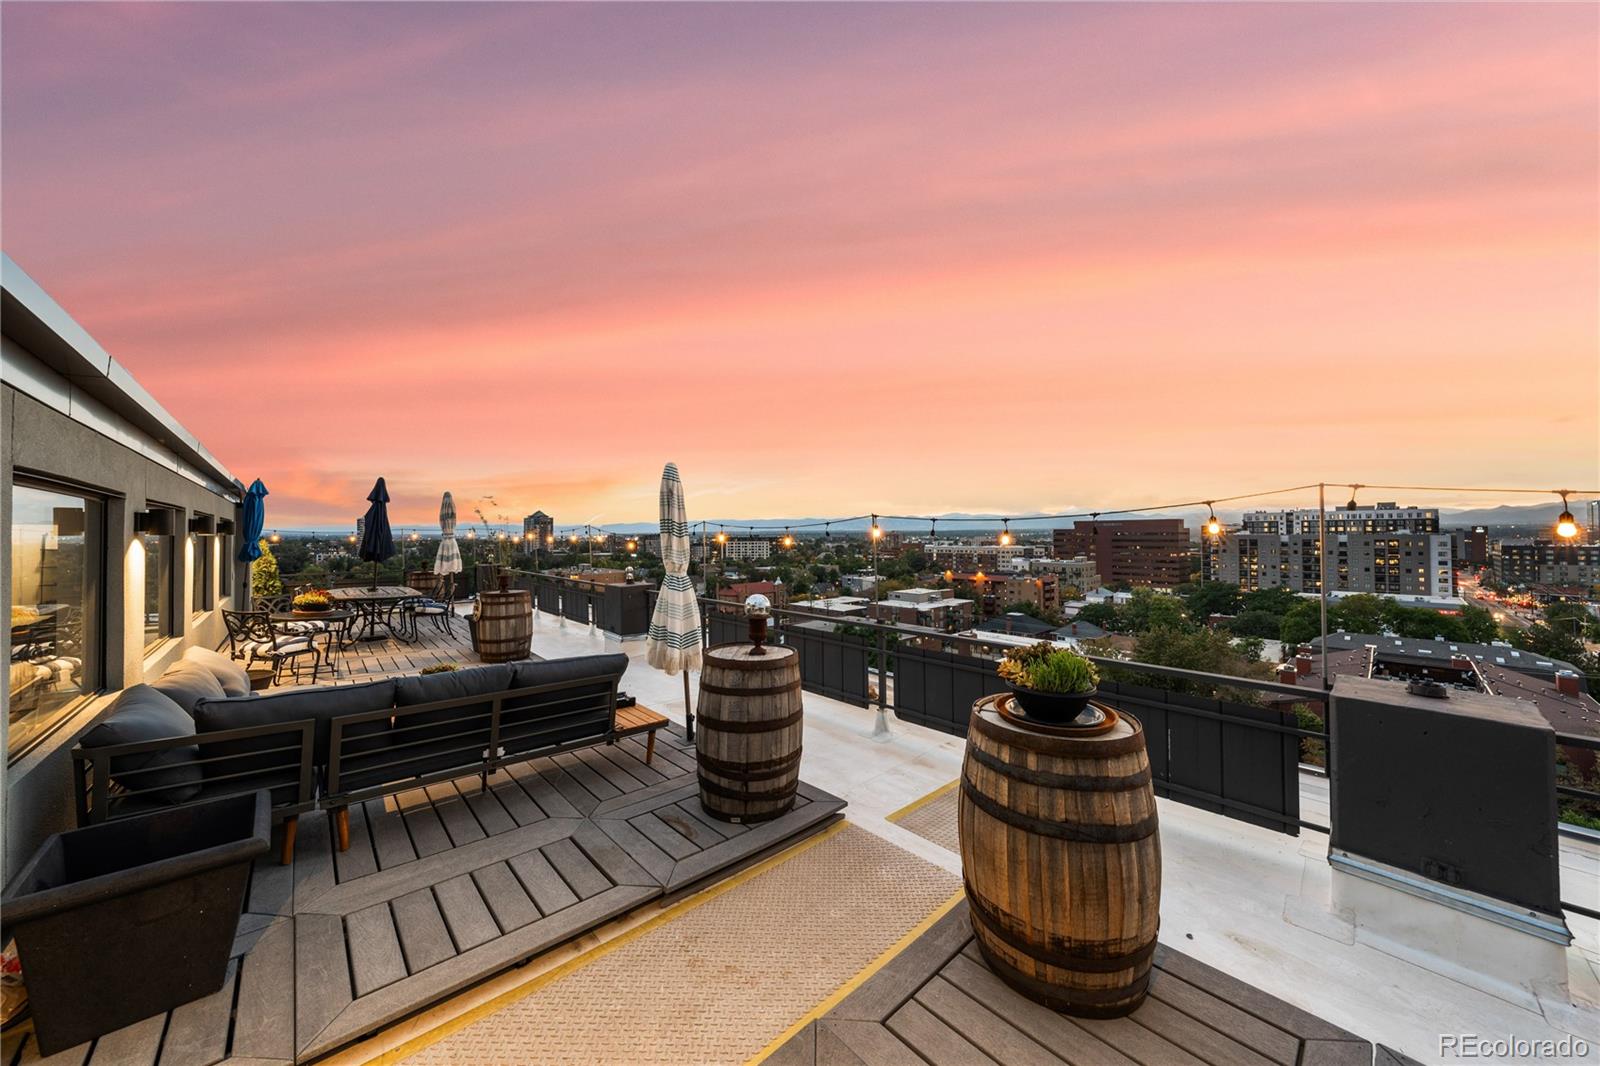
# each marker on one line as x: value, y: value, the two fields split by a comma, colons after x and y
x: 472, y: 534
x: 1566, y: 524
x: 549, y: 538
x: 1351, y: 506
x: 1213, y: 526
x: 573, y: 538
x: 1005, y: 534
x: 632, y: 545
x: 722, y: 537
x: 274, y: 538
x: 788, y: 538
x: 413, y: 534
x: 877, y: 531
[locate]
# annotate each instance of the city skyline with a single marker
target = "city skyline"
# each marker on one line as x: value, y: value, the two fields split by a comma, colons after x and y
x: 1146, y: 238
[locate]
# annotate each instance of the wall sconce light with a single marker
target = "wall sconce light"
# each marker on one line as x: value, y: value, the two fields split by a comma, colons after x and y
x: 203, y: 525
x: 153, y: 523
x: 225, y: 527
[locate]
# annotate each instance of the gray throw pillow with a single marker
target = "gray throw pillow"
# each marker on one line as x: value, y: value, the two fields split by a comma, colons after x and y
x: 187, y: 683
x: 231, y: 675
x: 143, y: 713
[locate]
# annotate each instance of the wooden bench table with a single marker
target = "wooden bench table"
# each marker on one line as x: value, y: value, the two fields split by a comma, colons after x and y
x: 640, y: 719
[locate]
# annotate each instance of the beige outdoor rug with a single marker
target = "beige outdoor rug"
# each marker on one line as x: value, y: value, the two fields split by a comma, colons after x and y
x: 721, y: 980
x: 933, y: 817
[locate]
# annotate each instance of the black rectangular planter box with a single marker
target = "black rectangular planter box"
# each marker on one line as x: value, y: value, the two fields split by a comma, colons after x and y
x: 119, y: 921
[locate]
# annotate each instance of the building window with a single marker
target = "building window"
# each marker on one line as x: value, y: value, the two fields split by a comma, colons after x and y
x: 203, y: 547
x: 158, y: 577
x: 57, y: 574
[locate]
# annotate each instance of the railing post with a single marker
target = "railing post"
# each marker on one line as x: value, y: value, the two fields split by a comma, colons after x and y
x: 880, y: 725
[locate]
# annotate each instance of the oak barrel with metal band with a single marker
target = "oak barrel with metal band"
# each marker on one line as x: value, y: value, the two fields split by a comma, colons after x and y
x: 748, y: 727
x: 505, y: 625
x: 1061, y: 857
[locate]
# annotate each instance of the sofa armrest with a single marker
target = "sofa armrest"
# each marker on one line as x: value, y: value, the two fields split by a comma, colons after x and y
x: 286, y: 747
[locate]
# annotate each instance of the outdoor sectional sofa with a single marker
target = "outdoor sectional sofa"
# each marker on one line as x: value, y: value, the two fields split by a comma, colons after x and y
x: 196, y: 734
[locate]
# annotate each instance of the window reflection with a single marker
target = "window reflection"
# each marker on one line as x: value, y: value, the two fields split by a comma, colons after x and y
x: 57, y: 564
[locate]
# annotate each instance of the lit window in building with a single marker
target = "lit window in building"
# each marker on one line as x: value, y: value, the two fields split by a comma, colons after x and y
x: 57, y: 574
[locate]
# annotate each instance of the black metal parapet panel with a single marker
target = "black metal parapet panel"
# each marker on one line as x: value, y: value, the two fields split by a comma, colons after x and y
x: 1458, y: 790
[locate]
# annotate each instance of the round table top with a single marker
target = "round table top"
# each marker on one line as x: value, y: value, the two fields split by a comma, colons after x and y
x: 745, y: 654
x: 335, y: 615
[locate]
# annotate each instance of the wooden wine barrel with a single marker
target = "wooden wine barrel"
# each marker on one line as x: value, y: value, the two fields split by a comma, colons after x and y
x: 505, y: 625
x: 747, y: 740
x: 1061, y: 858
x: 424, y: 581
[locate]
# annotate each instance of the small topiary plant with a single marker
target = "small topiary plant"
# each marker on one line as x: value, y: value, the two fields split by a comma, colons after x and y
x: 440, y: 668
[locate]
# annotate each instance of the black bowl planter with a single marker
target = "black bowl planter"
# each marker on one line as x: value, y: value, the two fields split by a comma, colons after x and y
x: 1056, y: 708
x: 119, y: 921
x: 313, y: 608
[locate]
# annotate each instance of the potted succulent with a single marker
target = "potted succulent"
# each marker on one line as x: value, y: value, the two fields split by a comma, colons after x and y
x: 312, y: 601
x: 1052, y: 684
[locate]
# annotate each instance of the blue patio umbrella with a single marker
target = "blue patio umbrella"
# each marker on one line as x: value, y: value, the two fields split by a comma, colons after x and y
x: 255, y: 520
x: 377, y: 542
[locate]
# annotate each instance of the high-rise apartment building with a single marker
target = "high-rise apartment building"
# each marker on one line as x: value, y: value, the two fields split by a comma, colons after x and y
x: 1544, y: 562
x: 1392, y: 563
x: 1132, y: 551
x: 539, y: 526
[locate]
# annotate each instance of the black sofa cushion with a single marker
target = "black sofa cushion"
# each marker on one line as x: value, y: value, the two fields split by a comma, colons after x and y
x: 562, y: 716
x: 187, y: 683
x: 233, y: 677
x: 143, y: 713
x: 320, y: 703
x: 452, y: 738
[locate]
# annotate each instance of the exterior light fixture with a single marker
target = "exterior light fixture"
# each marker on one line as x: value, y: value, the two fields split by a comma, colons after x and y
x: 1351, y: 506
x: 275, y: 538
x: 549, y: 538
x: 877, y: 530
x: 1005, y: 534
x: 1566, y: 525
x: 722, y: 538
x: 156, y: 523
x: 352, y: 538
x: 413, y: 534
x: 788, y: 539
x: 572, y: 539
x: 1213, y: 527
x: 633, y: 545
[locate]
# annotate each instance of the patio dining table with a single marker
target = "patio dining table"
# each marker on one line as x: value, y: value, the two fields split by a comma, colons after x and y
x: 376, y: 607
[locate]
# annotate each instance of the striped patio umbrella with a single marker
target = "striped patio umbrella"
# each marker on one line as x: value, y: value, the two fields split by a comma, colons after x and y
x: 674, y: 642
x: 448, y: 561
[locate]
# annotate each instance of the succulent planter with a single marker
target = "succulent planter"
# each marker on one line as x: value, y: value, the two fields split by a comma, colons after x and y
x: 1057, y: 708
x: 119, y: 921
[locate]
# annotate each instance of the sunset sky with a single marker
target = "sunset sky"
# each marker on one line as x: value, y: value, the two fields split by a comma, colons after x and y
x: 829, y: 259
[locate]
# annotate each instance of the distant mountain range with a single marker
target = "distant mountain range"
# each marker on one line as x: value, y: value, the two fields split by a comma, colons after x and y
x: 1532, y: 515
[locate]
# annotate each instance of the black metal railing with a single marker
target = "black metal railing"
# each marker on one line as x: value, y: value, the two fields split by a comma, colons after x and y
x: 1223, y: 755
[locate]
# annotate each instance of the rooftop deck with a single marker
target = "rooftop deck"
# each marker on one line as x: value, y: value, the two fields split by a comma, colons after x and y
x: 400, y: 947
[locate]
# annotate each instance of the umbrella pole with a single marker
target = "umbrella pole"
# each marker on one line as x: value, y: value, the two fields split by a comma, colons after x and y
x: 688, y: 711
x: 374, y: 585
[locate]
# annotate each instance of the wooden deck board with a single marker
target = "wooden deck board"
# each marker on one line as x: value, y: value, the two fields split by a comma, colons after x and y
x: 937, y: 1002
x: 424, y: 939
x: 421, y: 906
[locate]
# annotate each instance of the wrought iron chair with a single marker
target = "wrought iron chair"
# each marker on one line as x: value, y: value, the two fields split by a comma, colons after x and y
x: 252, y: 636
x: 438, y: 611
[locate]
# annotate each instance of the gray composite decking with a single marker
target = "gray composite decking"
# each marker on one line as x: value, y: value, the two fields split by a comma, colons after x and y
x: 937, y: 1002
x: 442, y: 887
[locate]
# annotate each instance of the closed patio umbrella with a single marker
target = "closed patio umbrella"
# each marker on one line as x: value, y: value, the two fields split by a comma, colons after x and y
x: 254, y: 521
x: 674, y: 642
x: 377, y: 542
x: 448, y: 561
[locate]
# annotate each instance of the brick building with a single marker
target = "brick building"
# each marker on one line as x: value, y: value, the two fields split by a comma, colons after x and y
x: 1133, y: 551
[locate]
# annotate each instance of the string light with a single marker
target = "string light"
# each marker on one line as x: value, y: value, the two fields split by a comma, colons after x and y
x: 1566, y: 525
x: 472, y: 534
x: 632, y: 545
x: 573, y: 538
x: 1351, y: 506
x: 722, y: 538
x: 877, y: 531
x: 1005, y: 534
x: 788, y: 538
x: 1213, y: 527
x: 274, y: 538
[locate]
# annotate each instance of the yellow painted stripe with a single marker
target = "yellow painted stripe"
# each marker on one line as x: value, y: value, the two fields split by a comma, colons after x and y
x: 914, y: 805
x: 862, y: 977
x: 533, y: 984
